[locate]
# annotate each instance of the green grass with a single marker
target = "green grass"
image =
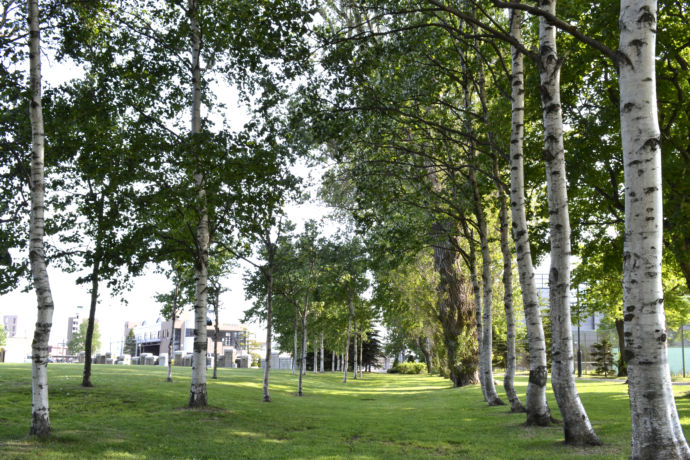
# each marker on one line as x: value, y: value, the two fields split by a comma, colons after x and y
x: 133, y: 413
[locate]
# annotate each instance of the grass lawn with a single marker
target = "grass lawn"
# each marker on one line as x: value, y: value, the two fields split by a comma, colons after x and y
x: 133, y: 413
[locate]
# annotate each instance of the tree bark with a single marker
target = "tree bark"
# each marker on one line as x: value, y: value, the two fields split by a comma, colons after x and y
x: 216, y: 334
x: 172, y: 337
x: 40, y: 411
x: 269, y: 314
x: 197, y: 392
x: 351, y: 315
x: 485, y: 352
x: 333, y: 361
x: 511, y: 356
x: 322, y: 368
x: 303, y: 365
x: 538, y: 412
x: 88, y: 341
x: 361, y: 352
x: 455, y: 309
x: 622, y: 365
x: 477, y: 298
x: 303, y: 354
x: 486, y: 344
x: 577, y: 428
x: 316, y: 355
x: 656, y: 429
x: 354, y: 355
x: 294, y: 354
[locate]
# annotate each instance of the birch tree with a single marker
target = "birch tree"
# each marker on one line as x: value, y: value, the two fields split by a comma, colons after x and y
x: 537, y: 408
x: 40, y: 411
x: 576, y: 426
x: 657, y: 432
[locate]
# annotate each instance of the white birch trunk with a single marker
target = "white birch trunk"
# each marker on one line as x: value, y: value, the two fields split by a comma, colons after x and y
x: 316, y: 356
x: 322, y: 368
x: 467, y: 107
x: 485, y: 352
x: 537, y: 408
x: 303, y: 355
x: 477, y: 298
x: 576, y: 426
x: 294, y: 353
x: 656, y: 430
x: 333, y: 361
x: 486, y: 348
x: 40, y: 411
x: 197, y: 392
x: 269, y: 315
x: 303, y: 364
x: 351, y: 314
x: 511, y: 358
x: 361, y: 352
x: 354, y: 354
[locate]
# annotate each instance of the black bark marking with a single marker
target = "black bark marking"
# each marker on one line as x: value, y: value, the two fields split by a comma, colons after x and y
x: 637, y: 44
x: 538, y: 376
x: 554, y: 275
x: 629, y: 355
x: 628, y: 317
x: 551, y: 108
x: 652, y: 143
x: 646, y: 16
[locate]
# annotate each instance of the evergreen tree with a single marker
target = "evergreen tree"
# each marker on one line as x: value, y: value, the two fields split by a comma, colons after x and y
x: 603, y: 357
x: 130, y: 344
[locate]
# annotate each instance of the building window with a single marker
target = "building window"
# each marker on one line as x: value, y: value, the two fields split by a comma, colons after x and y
x: 189, y: 333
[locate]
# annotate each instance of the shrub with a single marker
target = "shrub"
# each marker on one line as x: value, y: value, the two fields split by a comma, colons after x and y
x: 410, y: 368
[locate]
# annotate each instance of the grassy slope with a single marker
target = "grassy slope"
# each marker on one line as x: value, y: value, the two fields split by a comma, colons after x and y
x: 132, y: 413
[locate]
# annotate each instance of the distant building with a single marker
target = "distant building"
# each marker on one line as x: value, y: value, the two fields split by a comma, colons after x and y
x: 73, y: 323
x: 588, y: 326
x: 155, y: 337
x: 17, y: 349
x: 10, y: 324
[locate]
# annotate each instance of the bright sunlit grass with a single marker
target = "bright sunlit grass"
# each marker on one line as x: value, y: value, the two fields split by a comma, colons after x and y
x: 132, y: 413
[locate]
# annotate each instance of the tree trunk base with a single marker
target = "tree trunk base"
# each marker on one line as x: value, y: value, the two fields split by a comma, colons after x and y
x: 169, y: 380
x: 86, y: 383
x: 40, y: 425
x: 588, y: 438
x: 674, y: 451
x: 267, y: 399
x: 197, y: 395
x: 496, y: 402
x: 541, y: 420
x: 461, y: 376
